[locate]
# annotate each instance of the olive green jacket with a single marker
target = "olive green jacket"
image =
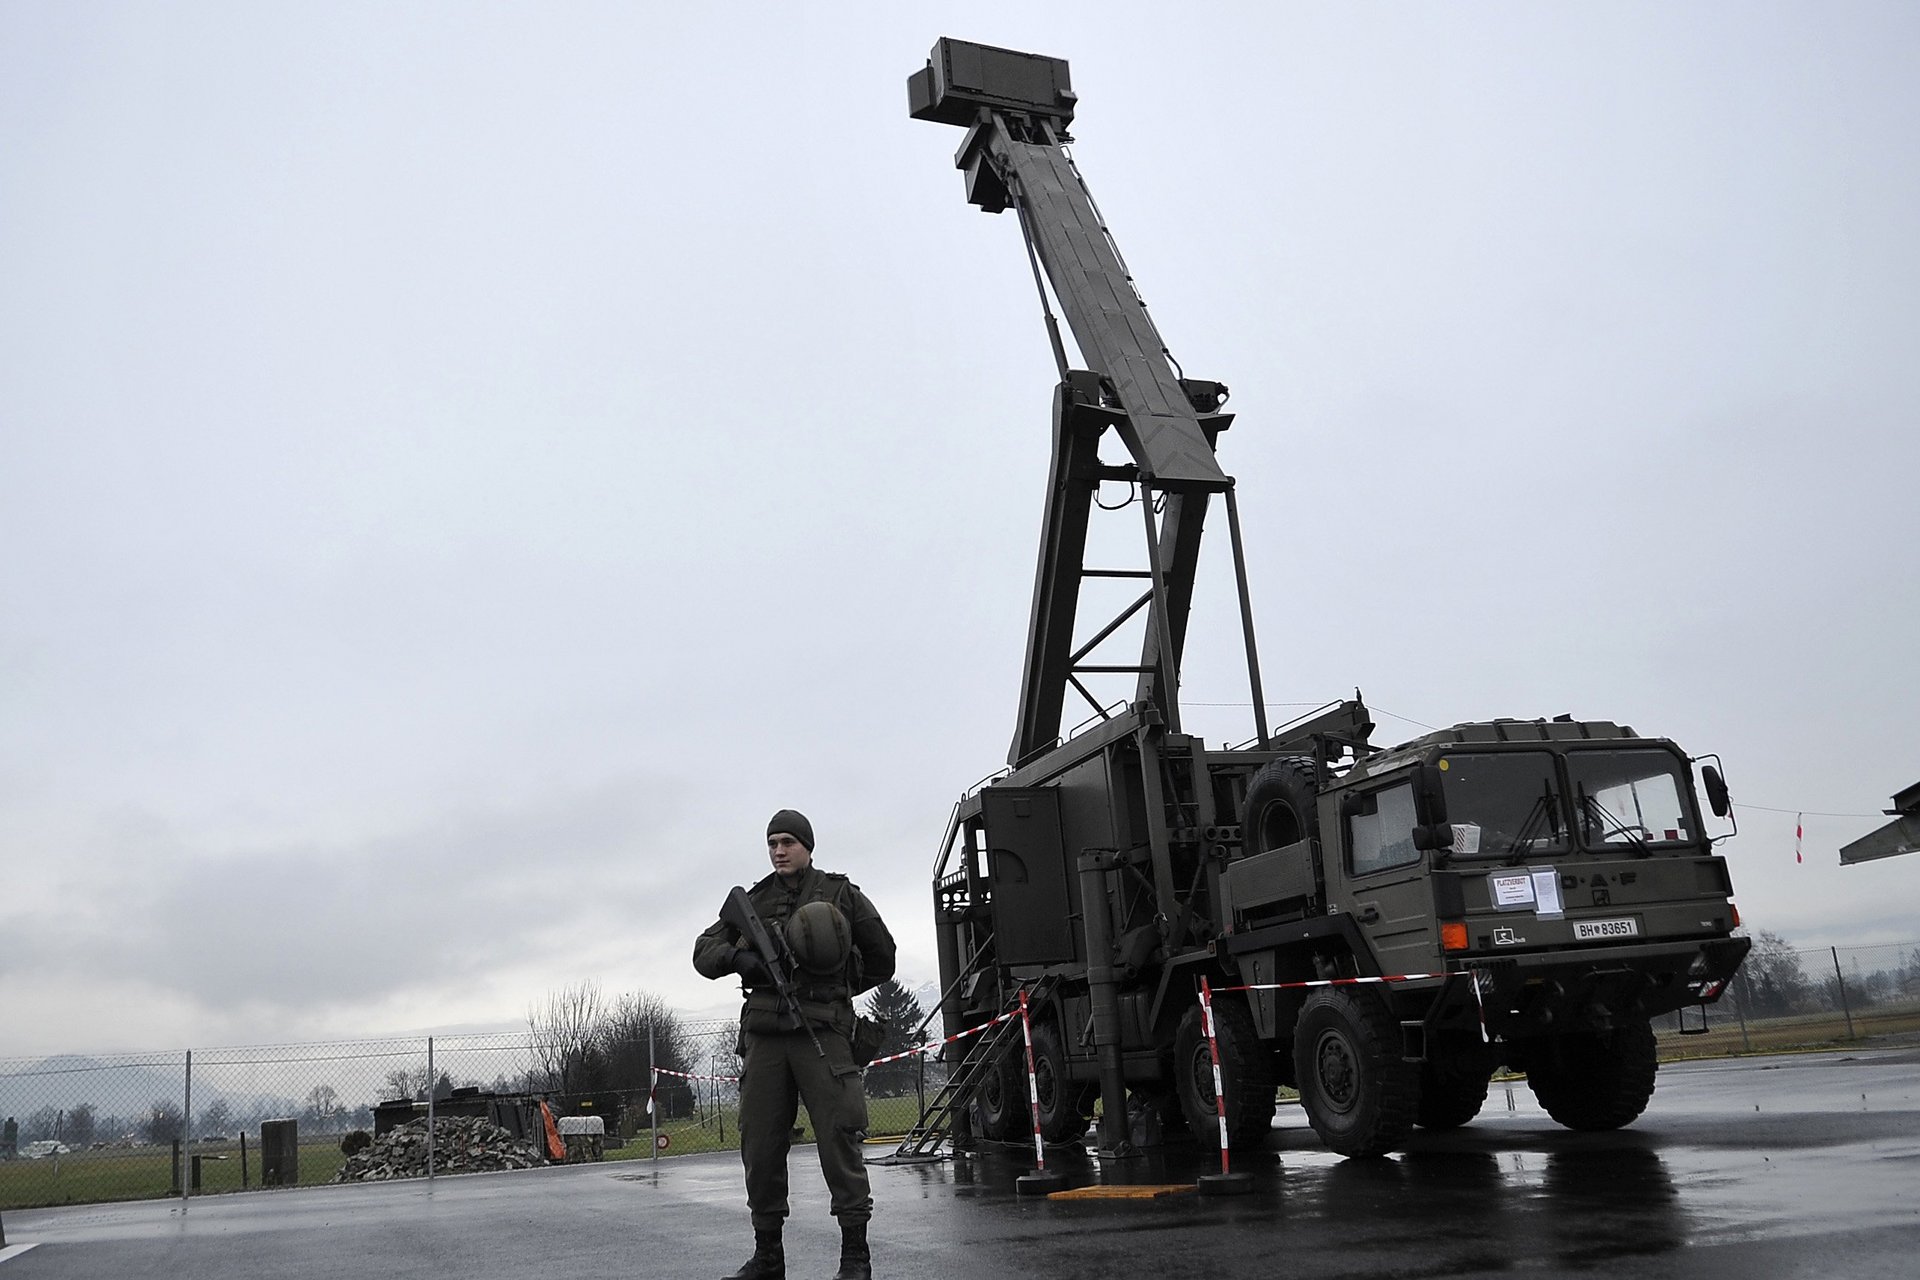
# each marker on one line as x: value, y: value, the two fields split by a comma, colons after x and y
x: 825, y: 999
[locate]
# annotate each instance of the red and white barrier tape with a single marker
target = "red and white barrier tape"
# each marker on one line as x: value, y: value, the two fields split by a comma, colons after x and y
x: 685, y: 1075
x: 931, y: 1045
x: 928, y: 1047
x: 1473, y: 976
x: 1332, y: 982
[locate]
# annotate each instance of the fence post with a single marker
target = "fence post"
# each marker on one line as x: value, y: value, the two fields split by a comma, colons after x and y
x: 653, y: 1095
x: 1841, y: 979
x: 430, y: 1092
x: 1740, y: 999
x: 186, y: 1134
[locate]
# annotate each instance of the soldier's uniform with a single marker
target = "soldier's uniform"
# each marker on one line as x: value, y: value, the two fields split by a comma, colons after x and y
x: 781, y: 1066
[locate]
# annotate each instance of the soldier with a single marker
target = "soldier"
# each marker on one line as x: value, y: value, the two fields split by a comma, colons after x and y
x: 843, y: 949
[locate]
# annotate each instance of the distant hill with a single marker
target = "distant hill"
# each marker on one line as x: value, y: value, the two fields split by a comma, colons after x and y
x: 69, y: 1080
x: 126, y: 1088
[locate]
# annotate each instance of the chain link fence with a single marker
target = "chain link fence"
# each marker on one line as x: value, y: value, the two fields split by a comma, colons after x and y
x: 1784, y: 998
x: 700, y: 1111
x: 81, y: 1129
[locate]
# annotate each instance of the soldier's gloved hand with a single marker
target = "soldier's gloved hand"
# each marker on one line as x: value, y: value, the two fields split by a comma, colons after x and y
x: 751, y: 968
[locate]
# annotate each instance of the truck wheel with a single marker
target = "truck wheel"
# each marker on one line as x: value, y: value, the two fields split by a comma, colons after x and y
x: 1002, y: 1099
x: 1359, y: 1095
x: 1452, y: 1091
x: 1596, y: 1082
x: 1066, y: 1105
x: 1246, y: 1075
x: 1280, y: 805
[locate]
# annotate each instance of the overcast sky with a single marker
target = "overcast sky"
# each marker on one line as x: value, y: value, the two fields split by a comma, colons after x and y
x: 463, y: 466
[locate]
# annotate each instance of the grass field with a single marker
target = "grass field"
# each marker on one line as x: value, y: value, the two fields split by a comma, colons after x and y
x: 146, y: 1173
x: 885, y: 1117
x: 1725, y: 1037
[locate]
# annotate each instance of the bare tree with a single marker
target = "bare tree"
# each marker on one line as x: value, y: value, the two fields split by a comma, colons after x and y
x: 323, y: 1104
x: 568, y: 1034
x: 215, y: 1119
x: 81, y: 1123
x: 586, y: 1043
x: 638, y: 1020
x: 408, y: 1082
x: 1774, y: 978
x: 47, y: 1122
x: 164, y: 1122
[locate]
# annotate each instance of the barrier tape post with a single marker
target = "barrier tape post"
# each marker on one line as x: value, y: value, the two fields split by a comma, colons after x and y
x: 1219, y: 1094
x: 1041, y: 1180
x: 1226, y: 1181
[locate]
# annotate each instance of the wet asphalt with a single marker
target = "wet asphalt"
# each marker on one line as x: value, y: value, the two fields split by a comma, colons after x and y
x: 1802, y: 1165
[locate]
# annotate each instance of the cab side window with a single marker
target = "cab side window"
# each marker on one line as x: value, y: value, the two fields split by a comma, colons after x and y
x: 1380, y: 831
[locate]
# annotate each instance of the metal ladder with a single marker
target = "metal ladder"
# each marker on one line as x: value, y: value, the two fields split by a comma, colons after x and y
x: 936, y: 1117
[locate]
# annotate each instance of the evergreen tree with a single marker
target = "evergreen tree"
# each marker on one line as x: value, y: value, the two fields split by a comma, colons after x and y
x: 901, y: 1012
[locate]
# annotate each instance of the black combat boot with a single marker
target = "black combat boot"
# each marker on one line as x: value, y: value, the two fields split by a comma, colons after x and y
x: 769, y: 1260
x: 855, y: 1262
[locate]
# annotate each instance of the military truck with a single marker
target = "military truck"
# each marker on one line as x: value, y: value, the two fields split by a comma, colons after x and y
x: 1379, y: 928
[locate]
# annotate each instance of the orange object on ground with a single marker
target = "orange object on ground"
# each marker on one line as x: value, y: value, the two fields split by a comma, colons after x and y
x: 556, y: 1149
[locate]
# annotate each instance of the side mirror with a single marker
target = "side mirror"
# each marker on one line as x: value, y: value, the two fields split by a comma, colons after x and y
x: 1433, y: 835
x: 1718, y: 798
x: 1430, y: 795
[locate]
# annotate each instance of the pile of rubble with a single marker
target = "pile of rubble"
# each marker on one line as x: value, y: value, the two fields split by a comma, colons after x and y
x: 462, y: 1144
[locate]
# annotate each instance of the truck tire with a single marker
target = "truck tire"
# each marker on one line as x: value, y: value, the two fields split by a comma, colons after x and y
x: 1452, y: 1091
x: 1066, y: 1105
x: 1001, y: 1099
x: 1360, y: 1096
x: 1280, y: 805
x: 1596, y: 1082
x: 1246, y: 1076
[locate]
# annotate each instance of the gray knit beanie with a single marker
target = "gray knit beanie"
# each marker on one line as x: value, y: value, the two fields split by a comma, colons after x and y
x: 795, y: 824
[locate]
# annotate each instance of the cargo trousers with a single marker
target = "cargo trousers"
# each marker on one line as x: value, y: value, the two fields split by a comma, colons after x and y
x: 781, y: 1070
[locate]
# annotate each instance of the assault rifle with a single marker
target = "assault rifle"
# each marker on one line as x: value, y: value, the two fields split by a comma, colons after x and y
x: 774, y: 954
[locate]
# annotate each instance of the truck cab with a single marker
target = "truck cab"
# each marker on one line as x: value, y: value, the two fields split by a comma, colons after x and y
x: 1523, y: 847
x: 1526, y: 892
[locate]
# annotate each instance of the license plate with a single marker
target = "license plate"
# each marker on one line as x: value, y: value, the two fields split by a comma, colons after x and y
x: 1598, y: 930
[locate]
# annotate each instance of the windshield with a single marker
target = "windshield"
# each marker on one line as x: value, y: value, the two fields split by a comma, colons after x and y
x: 1629, y: 798
x: 1504, y: 804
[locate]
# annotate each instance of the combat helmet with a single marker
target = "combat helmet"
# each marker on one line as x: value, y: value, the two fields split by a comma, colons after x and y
x: 820, y: 937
